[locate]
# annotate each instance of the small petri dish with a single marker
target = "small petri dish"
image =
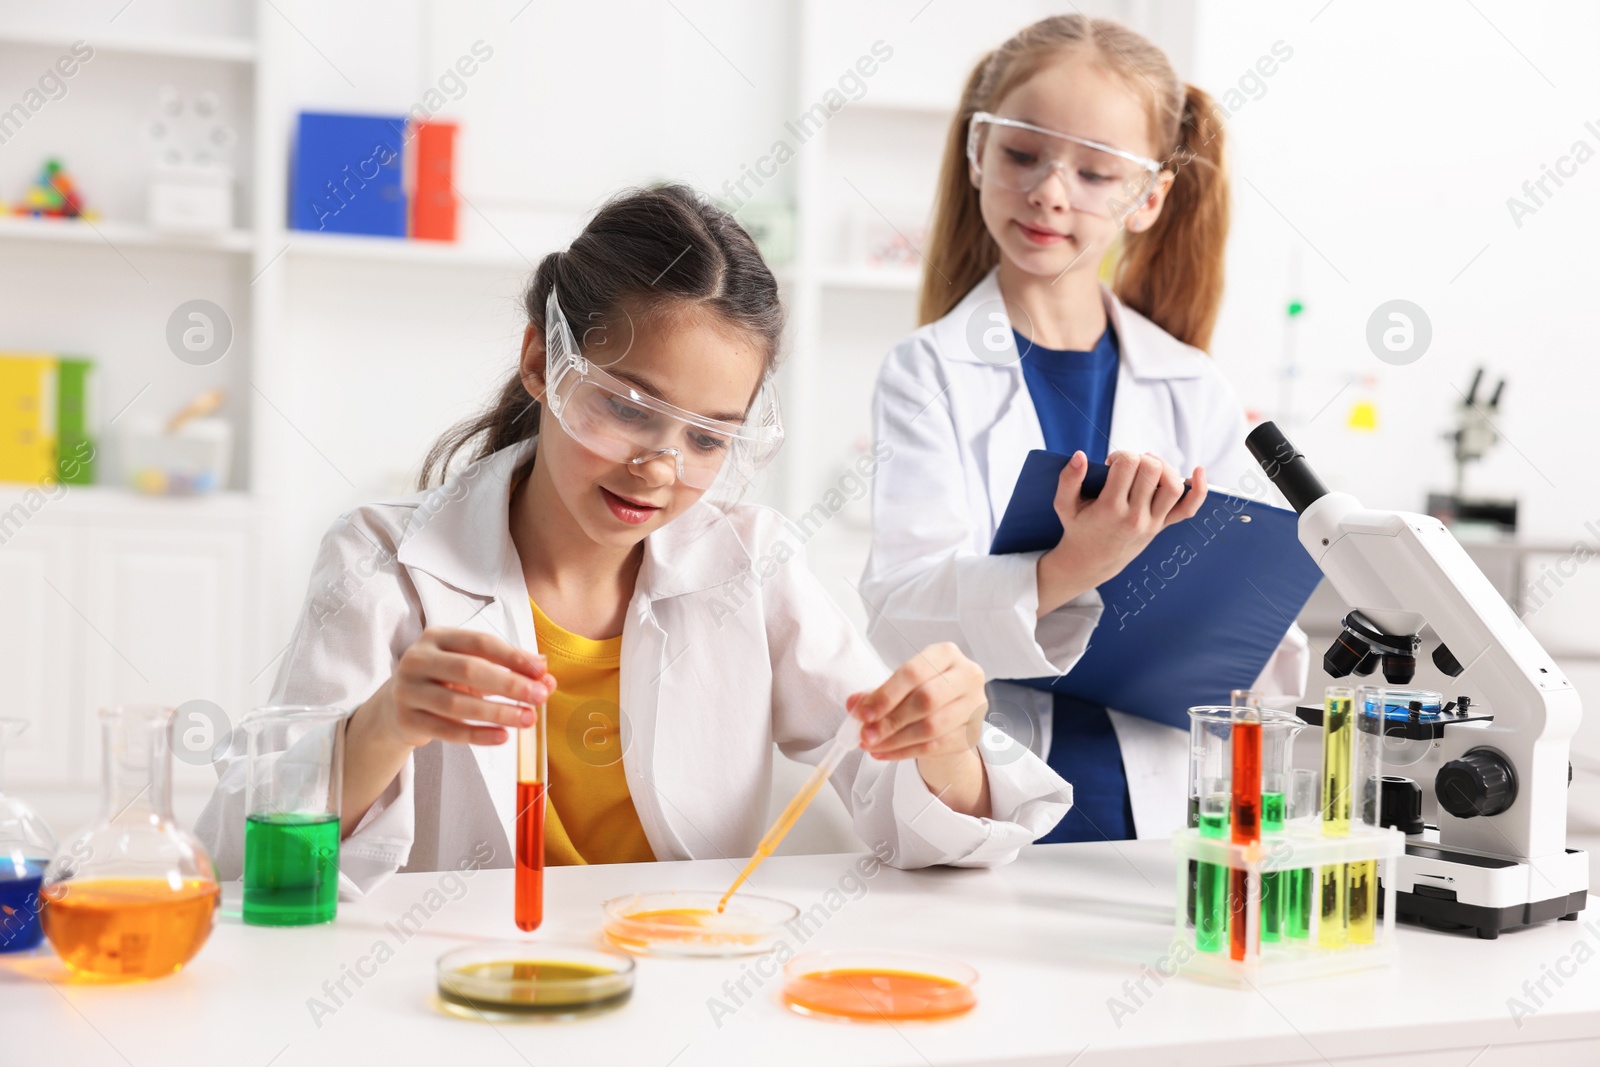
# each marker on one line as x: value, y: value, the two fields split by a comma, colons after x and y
x: 681, y: 922
x: 871, y: 986
x: 515, y: 980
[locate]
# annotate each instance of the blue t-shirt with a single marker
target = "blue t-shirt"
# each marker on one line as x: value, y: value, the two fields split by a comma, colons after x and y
x: 1073, y: 393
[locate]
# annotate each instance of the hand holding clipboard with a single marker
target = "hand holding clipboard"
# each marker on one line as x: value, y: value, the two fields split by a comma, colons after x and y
x: 1107, y: 513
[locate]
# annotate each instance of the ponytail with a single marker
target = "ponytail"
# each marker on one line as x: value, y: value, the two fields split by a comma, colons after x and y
x: 960, y: 250
x: 1172, y: 272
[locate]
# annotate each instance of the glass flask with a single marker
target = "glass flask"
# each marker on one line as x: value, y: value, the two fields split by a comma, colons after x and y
x: 26, y: 846
x: 133, y: 896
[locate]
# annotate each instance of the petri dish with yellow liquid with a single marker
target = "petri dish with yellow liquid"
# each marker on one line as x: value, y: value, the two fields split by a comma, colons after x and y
x: 683, y: 922
x: 876, y: 986
x: 529, y: 980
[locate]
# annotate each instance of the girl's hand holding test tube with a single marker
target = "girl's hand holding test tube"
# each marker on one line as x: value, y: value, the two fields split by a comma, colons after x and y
x: 437, y: 691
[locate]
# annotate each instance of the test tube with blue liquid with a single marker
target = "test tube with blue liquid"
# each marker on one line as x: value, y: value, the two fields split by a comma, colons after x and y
x: 26, y: 846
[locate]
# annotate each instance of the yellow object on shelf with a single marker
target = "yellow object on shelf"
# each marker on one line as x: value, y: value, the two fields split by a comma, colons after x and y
x: 27, y: 417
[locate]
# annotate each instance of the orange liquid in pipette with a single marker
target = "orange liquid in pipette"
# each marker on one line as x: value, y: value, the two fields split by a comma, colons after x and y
x: 530, y: 855
x: 1245, y: 825
x: 128, y: 927
x: 872, y: 994
x: 780, y: 827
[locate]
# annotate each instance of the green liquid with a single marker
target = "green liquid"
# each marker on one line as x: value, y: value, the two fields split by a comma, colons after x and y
x: 1274, y: 884
x: 291, y: 869
x: 1211, y: 891
x: 1298, y: 902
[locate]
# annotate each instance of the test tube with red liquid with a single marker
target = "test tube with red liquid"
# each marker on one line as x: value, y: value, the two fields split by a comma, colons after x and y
x: 1245, y: 821
x: 531, y: 801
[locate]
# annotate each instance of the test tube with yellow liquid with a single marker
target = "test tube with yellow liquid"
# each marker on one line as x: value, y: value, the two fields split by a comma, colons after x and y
x: 1338, y: 728
x: 1361, y: 886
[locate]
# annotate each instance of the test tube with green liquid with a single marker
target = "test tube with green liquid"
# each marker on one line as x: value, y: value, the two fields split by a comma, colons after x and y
x: 1299, y: 884
x: 1210, y: 798
x: 1338, y: 728
x: 1211, y: 879
x: 1278, y: 732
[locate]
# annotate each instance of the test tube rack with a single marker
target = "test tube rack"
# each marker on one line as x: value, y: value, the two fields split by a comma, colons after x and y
x: 1292, y: 849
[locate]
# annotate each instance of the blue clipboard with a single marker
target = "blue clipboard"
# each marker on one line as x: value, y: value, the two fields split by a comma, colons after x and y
x: 1197, y: 614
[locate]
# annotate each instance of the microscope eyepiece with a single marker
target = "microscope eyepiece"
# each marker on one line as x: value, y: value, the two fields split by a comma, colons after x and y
x: 1285, y: 466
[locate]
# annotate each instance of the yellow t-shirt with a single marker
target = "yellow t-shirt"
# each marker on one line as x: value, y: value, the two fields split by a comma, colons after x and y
x: 590, y: 816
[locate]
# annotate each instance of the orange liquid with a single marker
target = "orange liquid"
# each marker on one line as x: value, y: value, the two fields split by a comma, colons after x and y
x: 1245, y: 826
x: 128, y: 927
x: 530, y: 855
x: 872, y: 994
x: 688, y: 918
x: 780, y: 827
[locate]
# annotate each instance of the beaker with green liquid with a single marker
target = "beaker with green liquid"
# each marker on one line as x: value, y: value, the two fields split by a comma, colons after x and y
x: 294, y: 781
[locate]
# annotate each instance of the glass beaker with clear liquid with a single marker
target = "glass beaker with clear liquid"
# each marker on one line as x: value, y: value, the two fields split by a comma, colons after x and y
x: 26, y: 846
x: 134, y: 895
x: 291, y: 829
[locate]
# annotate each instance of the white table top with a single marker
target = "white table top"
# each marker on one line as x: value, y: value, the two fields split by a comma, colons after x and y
x: 1054, y: 936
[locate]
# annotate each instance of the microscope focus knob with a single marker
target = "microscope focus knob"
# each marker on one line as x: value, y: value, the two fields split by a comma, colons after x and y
x: 1481, y: 782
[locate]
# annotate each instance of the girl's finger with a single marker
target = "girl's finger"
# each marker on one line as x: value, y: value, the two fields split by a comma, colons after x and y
x: 488, y: 679
x: 454, y: 704
x: 1189, y: 506
x: 458, y: 733
x: 1146, y: 480
x: 483, y: 677
x: 1070, y: 485
x: 912, y: 673
x: 932, y: 692
x: 1167, y: 493
x: 489, y: 647
x: 958, y: 717
x: 1119, y: 480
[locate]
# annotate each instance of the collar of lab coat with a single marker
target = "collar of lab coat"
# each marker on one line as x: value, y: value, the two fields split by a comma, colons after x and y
x: 461, y: 534
x: 1147, y: 351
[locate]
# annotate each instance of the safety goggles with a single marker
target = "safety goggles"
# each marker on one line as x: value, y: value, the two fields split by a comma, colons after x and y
x: 616, y: 421
x: 1099, y: 180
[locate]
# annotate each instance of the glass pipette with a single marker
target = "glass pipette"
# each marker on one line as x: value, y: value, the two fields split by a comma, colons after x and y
x: 847, y: 739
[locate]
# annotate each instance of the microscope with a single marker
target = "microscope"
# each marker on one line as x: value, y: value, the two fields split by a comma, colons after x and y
x: 1498, y: 858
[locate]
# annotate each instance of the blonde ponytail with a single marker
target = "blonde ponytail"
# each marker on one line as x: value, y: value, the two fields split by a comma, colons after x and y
x: 1172, y: 272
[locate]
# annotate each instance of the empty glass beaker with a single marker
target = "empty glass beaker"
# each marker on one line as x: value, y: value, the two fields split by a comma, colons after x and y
x: 26, y: 846
x: 134, y: 895
x: 295, y: 777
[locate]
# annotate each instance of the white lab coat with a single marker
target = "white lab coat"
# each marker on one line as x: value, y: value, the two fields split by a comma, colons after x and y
x: 729, y: 645
x: 959, y: 421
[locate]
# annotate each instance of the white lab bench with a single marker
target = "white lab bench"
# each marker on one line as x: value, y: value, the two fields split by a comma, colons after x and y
x: 1060, y: 938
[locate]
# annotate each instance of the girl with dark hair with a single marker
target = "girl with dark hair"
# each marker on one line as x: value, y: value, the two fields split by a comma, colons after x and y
x: 590, y: 557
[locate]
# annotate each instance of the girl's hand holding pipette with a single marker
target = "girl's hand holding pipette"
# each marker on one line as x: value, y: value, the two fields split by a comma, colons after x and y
x: 437, y: 692
x: 931, y: 710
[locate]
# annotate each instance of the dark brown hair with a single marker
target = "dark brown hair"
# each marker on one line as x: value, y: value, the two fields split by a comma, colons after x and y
x: 1170, y: 273
x: 645, y: 254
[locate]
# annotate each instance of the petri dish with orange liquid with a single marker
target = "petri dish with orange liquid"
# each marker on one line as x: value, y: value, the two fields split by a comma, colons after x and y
x: 684, y: 922
x: 549, y: 981
x: 876, y: 986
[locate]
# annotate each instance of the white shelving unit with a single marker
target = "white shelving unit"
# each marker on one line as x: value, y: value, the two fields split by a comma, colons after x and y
x: 163, y: 46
